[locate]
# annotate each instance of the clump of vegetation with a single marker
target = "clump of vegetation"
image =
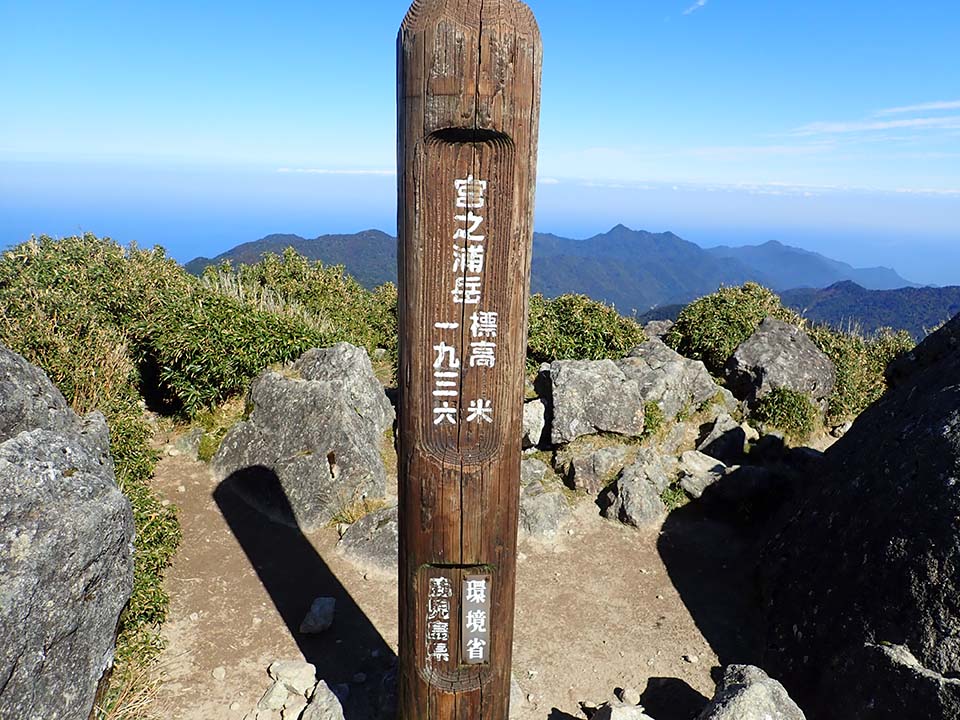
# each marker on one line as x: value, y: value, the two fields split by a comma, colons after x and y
x: 713, y: 327
x: 861, y: 364
x: 789, y: 411
x: 674, y: 496
x: 654, y: 419
x: 58, y: 313
x: 356, y: 510
x: 321, y: 297
x: 216, y: 423
x: 574, y: 327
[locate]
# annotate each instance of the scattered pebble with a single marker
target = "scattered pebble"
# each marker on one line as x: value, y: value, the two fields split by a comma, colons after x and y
x: 659, y: 597
x: 631, y: 696
x: 194, y: 616
x: 692, y: 659
x: 219, y: 673
x: 181, y: 489
x: 234, y: 706
x: 320, y: 617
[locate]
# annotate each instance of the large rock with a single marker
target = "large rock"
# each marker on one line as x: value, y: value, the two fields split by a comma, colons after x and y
x: 371, y: 542
x: 66, y: 556
x: 747, y: 693
x: 780, y: 355
x: 591, y: 396
x: 316, y: 435
x: 543, y: 507
x: 634, y: 499
x: 667, y: 378
x: 872, y: 555
x: 591, y: 470
x: 725, y: 441
x: 699, y: 471
x: 534, y: 422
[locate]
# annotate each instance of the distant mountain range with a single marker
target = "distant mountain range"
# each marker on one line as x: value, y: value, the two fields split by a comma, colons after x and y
x: 648, y: 274
x: 915, y: 309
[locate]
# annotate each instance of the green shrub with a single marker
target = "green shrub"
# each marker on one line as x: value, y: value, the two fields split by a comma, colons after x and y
x: 574, y: 327
x: 674, y: 496
x: 789, y: 411
x: 654, y: 418
x: 323, y: 297
x: 861, y: 364
x: 61, y: 321
x: 713, y: 327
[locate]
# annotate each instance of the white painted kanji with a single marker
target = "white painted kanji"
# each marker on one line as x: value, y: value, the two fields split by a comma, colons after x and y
x: 476, y: 591
x: 484, y: 324
x: 470, y: 192
x: 466, y: 290
x: 440, y: 652
x: 480, y: 411
x: 445, y: 412
x: 483, y: 354
x: 476, y: 649
x: 441, y: 587
x: 477, y: 621
x: 469, y: 233
x: 438, y: 631
x: 446, y: 356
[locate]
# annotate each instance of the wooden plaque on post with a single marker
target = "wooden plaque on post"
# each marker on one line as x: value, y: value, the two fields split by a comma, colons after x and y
x: 468, y: 106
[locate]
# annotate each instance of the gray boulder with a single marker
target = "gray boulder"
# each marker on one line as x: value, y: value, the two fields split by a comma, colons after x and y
x: 879, y: 677
x: 66, y: 555
x: 871, y: 555
x: 725, y: 441
x: 533, y: 470
x: 590, y: 397
x: 699, y: 471
x: 593, y: 470
x: 371, y: 542
x: 323, y: 705
x: 634, y: 499
x: 780, y: 355
x: 669, y: 379
x: 543, y: 509
x: 534, y: 422
x: 316, y: 435
x: 658, y: 328
x: 747, y: 693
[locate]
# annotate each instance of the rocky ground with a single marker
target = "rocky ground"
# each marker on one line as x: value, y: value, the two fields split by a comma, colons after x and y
x: 597, y: 609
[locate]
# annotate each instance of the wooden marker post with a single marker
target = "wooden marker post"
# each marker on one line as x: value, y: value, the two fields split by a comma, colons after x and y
x: 468, y: 105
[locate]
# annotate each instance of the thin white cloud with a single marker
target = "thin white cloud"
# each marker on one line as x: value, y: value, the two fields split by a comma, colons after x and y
x: 922, y: 107
x: 548, y: 181
x: 328, y: 171
x: 861, y: 126
x: 696, y: 6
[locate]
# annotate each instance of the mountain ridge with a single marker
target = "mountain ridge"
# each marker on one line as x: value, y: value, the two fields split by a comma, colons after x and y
x: 634, y: 270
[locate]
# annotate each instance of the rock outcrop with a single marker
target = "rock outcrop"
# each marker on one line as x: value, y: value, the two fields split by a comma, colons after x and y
x: 634, y: 499
x: 747, y: 693
x: 316, y: 434
x: 780, y: 355
x: 871, y: 559
x: 593, y: 396
x: 543, y: 505
x: 372, y: 541
x: 66, y: 555
x: 667, y: 378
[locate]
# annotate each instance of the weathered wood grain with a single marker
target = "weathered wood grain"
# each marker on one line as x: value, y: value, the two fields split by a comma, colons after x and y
x: 468, y: 108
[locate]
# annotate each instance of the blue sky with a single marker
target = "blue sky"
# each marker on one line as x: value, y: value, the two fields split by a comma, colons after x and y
x: 832, y: 126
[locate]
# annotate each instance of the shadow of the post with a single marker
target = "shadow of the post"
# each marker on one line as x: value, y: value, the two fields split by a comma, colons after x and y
x: 294, y: 574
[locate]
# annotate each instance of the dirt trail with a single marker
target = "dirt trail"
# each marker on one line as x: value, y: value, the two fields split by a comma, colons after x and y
x: 596, y: 610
